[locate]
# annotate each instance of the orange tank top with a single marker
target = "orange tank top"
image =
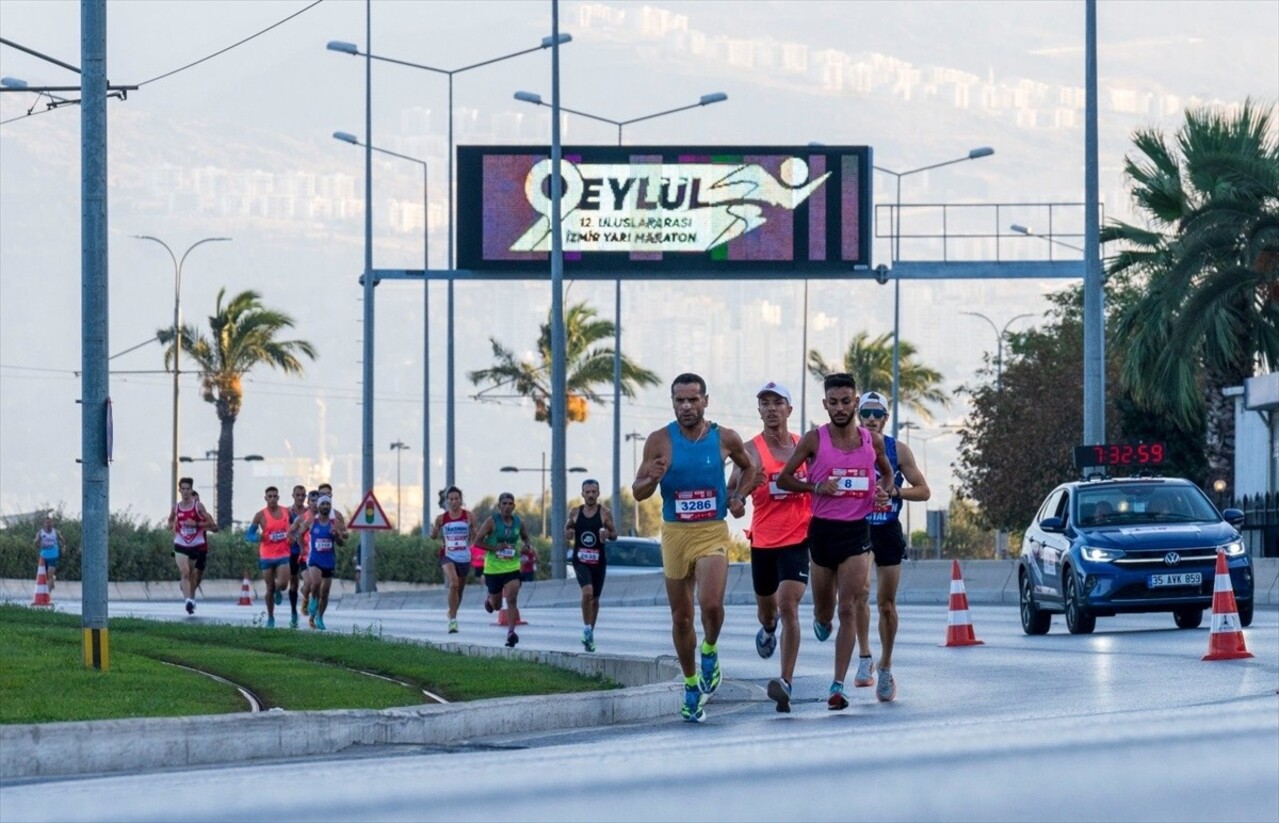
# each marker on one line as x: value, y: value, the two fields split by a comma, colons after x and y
x: 781, y: 517
x: 275, y: 535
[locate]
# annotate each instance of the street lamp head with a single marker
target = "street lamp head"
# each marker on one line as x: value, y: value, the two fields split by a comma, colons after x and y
x: 982, y: 151
x: 253, y: 458
x: 578, y: 469
x: 1219, y: 485
x: 549, y: 41
x: 185, y: 459
x: 529, y: 97
x: 346, y: 137
x: 343, y: 46
x: 714, y: 97
x: 508, y: 469
x: 1019, y: 229
x: 13, y: 83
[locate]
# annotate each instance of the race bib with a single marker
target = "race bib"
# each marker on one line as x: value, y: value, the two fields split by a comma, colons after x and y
x: 778, y: 493
x: 322, y: 544
x: 853, y: 483
x: 591, y: 556
x: 699, y: 504
x: 455, y: 536
x: 505, y: 552
x: 188, y: 530
x: 277, y: 537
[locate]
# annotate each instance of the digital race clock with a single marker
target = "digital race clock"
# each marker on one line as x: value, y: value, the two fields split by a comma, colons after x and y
x: 1120, y: 454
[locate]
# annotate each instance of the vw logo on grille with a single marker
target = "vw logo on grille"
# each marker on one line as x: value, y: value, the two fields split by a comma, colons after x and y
x: 1172, y: 558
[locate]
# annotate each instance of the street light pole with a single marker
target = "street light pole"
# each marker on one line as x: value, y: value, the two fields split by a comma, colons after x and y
x: 635, y: 438
x: 450, y: 446
x: 398, y: 447
x: 177, y: 342
x: 704, y: 100
x: 974, y: 154
x: 1000, y: 334
x: 347, y: 137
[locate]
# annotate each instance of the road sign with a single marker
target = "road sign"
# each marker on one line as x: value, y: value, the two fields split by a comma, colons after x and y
x: 369, y: 515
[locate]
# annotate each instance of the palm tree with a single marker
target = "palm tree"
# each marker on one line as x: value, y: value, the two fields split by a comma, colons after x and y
x: 243, y: 335
x: 870, y: 362
x: 589, y: 364
x: 1209, y: 260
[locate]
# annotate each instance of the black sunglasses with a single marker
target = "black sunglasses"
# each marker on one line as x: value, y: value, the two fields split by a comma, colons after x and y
x: 873, y: 413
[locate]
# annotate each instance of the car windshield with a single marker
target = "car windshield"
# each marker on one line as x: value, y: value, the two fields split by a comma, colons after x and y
x: 632, y: 552
x: 1142, y: 504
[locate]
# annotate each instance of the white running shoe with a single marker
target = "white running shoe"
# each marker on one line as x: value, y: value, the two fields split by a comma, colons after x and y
x: 865, y: 672
x: 887, y: 688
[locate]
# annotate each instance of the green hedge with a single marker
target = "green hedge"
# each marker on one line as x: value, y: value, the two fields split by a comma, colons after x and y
x: 139, y: 550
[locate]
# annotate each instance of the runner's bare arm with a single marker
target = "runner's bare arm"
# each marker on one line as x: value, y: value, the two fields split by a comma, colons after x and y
x: 657, y: 451
x: 918, y: 489
x: 524, y: 535
x: 610, y: 528
x: 209, y: 523
x: 435, y: 527
x: 486, y: 528
x: 804, y: 449
x: 744, y: 469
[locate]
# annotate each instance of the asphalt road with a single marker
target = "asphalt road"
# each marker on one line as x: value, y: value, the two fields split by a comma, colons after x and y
x: 1125, y: 724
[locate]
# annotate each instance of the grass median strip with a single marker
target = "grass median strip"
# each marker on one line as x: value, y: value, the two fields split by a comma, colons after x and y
x: 43, y: 678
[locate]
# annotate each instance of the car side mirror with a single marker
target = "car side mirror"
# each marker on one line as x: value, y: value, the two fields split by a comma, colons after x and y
x: 1234, y: 517
x: 1052, y: 524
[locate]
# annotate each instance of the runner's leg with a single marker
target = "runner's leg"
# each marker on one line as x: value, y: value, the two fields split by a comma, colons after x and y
x: 889, y: 578
x: 789, y: 593
x: 851, y: 577
x: 712, y: 578
x: 680, y: 594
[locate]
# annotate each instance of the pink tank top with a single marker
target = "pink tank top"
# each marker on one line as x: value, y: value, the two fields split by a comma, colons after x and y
x: 855, y: 473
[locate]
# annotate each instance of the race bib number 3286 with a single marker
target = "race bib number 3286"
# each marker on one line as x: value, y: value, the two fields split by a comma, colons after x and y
x: 699, y: 504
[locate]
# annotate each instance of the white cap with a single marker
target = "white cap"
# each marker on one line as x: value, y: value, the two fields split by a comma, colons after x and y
x: 870, y: 398
x: 775, y: 388
x: 324, y: 498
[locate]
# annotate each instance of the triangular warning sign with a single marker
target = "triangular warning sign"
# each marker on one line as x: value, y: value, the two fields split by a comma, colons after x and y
x: 369, y: 515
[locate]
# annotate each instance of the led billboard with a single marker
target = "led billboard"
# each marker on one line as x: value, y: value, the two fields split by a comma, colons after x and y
x: 649, y: 211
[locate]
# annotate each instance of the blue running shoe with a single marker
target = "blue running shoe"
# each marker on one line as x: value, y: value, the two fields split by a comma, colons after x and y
x: 293, y: 621
x: 692, y: 710
x: 836, y: 701
x: 279, y: 597
x: 319, y: 623
x: 779, y: 692
x: 588, y: 639
x: 765, y: 642
x: 312, y: 606
x: 822, y: 630
x: 708, y: 680
x: 270, y: 622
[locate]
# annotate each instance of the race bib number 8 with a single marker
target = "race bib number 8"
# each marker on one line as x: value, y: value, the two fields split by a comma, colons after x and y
x: 851, y: 482
x: 700, y: 504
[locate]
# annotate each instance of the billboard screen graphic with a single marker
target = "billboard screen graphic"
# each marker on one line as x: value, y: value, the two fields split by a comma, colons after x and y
x: 639, y: 211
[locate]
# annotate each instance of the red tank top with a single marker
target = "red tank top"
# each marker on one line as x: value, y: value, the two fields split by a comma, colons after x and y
x: 188, y: 530
x: 780, y: 517
x: 275, y: 535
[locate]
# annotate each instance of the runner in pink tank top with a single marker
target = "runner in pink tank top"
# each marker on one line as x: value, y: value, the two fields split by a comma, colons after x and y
x: 842, y: 460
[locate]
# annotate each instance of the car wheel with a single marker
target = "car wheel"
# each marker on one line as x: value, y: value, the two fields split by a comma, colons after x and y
x: 1078, y: 620
x: 1188, y: 618
x: 1033, y: 621
x: 1245, y: 613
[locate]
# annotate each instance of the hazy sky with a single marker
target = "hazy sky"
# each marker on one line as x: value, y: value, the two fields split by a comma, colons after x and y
x: 271, y: 105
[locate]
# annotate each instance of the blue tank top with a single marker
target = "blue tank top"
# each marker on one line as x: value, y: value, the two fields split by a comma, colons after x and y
x: 693, y: 488
x: 880, y: 518
x: 322, y: 545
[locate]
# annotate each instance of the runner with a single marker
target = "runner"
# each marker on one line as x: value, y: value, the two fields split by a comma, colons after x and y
x: 589, y: 526
x: 189, y: 522
x: 271, y: 528
x: 296, y: 509
x: 456, y: 525
x: 889, y: 547
x: 779, y: 539
x: 327, y: 533
x: 197, y: 572
x: 498, y: 534
x: 49, y: 542
x: 304, y: 553
x: 842, y: 459
x: 686, y: 459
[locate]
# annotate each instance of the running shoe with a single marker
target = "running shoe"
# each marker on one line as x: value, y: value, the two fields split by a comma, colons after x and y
x: 887, y: 688
x: 588, y: 639
x: 270, y: 622
x: 312, y: 605
x: 488, y: 605
x: 822, y: 630
x: 708, y: 680
x: 279, y: 597
x: 319, y: 623
x: 692, y: 710
x: 865, y: 672
x: 190, y: 607
x: 837, y: 701
x: 452, y: 627
x: 511, y: 639
x: 293, y: 621
x: 779, y: 692
x: 766, y: 642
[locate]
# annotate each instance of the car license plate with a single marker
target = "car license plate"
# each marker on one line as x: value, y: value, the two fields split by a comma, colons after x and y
x: 1158, y: 581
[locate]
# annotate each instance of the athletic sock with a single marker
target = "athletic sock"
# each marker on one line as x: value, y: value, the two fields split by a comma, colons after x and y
x: 293, y: 601
x: 691, y: 680
x: 708, y: 648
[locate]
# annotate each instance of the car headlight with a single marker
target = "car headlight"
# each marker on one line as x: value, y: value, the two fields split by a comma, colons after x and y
x: 1233, y: 549
x: 1097, y: 555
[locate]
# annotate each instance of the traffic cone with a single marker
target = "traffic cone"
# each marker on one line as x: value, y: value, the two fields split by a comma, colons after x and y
x: 959, y: 629
x: 246, y: 591
x: 503, y: 620
x: 41, y: 597
x: 1225, y: 642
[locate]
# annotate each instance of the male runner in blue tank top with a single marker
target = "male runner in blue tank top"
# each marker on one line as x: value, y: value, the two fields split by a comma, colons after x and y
x: 686, y: 459
x: 889, y: 548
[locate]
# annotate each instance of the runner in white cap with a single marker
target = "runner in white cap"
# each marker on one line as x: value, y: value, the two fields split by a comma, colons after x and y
x: 889, y: 547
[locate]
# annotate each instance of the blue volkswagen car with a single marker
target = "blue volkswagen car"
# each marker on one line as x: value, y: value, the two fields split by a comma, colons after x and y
x: 1098, y: 548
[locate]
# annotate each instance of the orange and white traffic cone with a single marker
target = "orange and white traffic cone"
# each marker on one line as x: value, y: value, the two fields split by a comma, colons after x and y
x: 246, y: 591
x: 1226, y: 640
x: 504, y: 620
x: 42, y: 597
x: 959, y: 629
